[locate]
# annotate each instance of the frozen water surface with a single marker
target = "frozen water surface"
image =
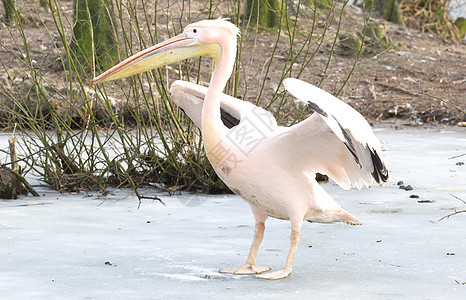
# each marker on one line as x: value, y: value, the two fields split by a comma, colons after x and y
x: 87, y: 246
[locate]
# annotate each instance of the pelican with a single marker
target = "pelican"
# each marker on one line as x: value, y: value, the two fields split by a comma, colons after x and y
x: 269, y: 166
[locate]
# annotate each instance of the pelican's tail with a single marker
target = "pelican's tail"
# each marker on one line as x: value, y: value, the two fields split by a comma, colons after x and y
x: 324, y: 209
x: 350, y: 219
x: 331, y: 216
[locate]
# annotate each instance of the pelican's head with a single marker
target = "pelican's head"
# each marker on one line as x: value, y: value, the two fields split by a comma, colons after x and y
x: 206, y: 37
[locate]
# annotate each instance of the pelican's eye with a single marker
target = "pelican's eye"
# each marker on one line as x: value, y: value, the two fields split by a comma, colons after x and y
x: 193, y: 32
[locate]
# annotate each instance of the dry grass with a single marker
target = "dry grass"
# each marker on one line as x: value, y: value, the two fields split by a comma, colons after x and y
x: 128, y: 134
x: 430, y: 16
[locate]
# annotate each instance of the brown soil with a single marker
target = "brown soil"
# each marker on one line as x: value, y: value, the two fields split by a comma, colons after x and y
x: 420, y: 82
x: 411, y: 83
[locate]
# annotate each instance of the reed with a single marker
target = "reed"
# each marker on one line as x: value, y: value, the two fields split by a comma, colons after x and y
x: 129, y: 133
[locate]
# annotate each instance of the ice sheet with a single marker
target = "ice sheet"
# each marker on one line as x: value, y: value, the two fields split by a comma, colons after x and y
x: 87, y: 246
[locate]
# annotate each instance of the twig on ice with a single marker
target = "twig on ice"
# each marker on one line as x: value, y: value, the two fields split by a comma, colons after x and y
x: 456, y: 211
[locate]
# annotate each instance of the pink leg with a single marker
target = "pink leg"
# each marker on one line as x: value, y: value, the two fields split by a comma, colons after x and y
x: 294, y: 238
x: 251, y: 267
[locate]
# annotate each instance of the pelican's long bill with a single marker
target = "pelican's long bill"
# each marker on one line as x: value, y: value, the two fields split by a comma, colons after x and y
x: 173, y: 50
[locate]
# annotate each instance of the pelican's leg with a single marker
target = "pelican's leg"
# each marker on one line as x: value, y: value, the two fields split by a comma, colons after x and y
x: 295, y: 234
x: 251, y: 267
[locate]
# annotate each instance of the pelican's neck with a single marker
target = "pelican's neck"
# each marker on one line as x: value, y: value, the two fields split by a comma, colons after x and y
x: 213, y: 130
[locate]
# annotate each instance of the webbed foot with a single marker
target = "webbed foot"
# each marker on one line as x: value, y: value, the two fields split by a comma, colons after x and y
x: 275, y: 275
x: 247, y: 269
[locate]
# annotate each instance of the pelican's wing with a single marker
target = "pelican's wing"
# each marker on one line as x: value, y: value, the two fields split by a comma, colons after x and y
x: 336, y: 140
x: 190, y: 97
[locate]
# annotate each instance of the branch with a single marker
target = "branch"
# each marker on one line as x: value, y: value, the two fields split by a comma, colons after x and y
x: 456, y: 211
x: 456, y: 156
x: 452, y: 214
x: 444, y: 101
x: 458, y: 198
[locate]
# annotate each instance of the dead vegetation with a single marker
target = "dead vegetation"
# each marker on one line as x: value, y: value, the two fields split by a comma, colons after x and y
x: 430, y: 16
x: 418, y: 79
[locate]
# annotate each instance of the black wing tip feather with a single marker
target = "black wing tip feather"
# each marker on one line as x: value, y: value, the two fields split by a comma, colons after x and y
x: 348, y: 141
x: 316, y: 108
x: 228, y: 120
x: 380, y: 173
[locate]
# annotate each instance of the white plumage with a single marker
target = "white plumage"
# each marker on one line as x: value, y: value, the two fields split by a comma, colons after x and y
x: 316, y: 144
x: 271, y: 167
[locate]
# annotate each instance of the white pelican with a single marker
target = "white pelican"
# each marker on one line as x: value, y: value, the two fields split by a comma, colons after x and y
x: 271, y: 167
